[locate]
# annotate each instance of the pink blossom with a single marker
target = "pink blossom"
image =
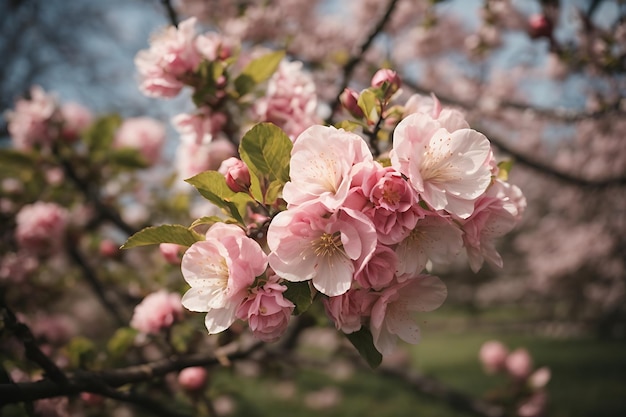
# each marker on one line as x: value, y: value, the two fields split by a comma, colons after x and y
x: 309, y: 243
x: 144, y: 134
x: 236, y: 173
x: 349, y: 310
x: 172, y: 54
x: 493, y: 356
x: 349, y: 100
x: 387, y: 199
x: 157, y: 311
x: 321, y: 166
x: 41, y: 227
x: 193, y: 378
x: 540, y: 378
x: 214, y: 46
x: 539, y: 26
x: 446, y: 163
x: 534, y: 406
x: 31, y: 123
x: 393, y: 313
x: 220, y: 270
x: 267, y: 311
x: 519, y: 364
x: 387, y: 78
x: 495, y: 214
x: 201, y: 127
x: 16, y: 267
x: 76, y: 119
x: 171, y: 252
x: 108, y: 248
x: 433, y: 238
x: 290, y: 101
x: 380, y: 270
x: 418, y: 103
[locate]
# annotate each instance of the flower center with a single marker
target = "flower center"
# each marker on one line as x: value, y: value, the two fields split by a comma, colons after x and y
x: 327, y: 244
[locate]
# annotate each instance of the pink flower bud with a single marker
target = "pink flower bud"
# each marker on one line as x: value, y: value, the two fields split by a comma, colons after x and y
x: 171, y: 252
x: 390, y: 78
x: 193, y: 378
x: 349, y: 100
x: 539, y: 378
x: 493, y: 356
x: 109, y: 249
x: 91, y: 399
x: 236, y: 173
x: 519, y: 363
x: 539, y: 26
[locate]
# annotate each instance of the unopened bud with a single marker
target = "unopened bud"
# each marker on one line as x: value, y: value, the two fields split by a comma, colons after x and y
x: 349, y: 100
x: 387, y: 79
x: 539, y: 26
x: 171, y: 252
x: 193, y: 378
x: 236, y: 173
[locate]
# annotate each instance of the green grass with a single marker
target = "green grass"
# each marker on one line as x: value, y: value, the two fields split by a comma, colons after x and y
x: 588, y: 375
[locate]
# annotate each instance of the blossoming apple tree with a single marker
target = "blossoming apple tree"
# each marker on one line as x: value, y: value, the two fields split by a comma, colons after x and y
x: 313, y: 182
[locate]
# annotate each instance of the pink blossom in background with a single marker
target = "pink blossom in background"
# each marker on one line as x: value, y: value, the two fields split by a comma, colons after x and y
x: 495, y: 214
x: 76, y: 119
x: 171, y: 252
x: 41, y: 227
x: 418, y: 103
x: 144, y: 134
x: 201, y: 127
x: 321, y: 166
x: 31, y: 123
x: 493, y: 356
x: 220, y: 270
x: 540, y: 378
x: 236, y: 173
x: 393, y: 313
x: 309, y: 243
x: 172, y: 54
x: 157, y: 311
x: 193, y: 378
x: 446, y: 164
x: 290, y: 101
x: 267, y: 311
x: 519, y: 364
x: 192, y: 159
x: 16, y: 267
x: 534, y: 406
x: 349, y: 310
x: 433, y: 238
x: 214, y: 46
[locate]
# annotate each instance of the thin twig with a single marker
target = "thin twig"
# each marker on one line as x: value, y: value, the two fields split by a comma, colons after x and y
x: 355, y: 59
x: 171, y: 13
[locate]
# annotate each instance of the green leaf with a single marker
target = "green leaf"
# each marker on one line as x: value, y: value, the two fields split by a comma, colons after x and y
x: 81, y: 352
x: 364, y: 343
x: 207, y: 220
x: 368, y: 102
x: 100, y: 135
x: 266, y: 150
x: 15, y: 158
x: 504, y: 168
x: 166, y: 233
x: 257, y: 71
x: 212, y: 186
x: 121, y: 341
x: 299, y: 293
x: 348, y: 125
x: 127, y: 158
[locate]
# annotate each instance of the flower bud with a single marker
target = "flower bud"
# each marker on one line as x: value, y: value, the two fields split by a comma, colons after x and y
x: 171, y: 252
x: 109, y: 249
x: 349, y: 100
x: 236, y: 173
x: 193, y: 378
x: 387, y: 79
x: 539, y: 26
x: 493, y: 355
x: 92, y: 399
x: 519, y: 363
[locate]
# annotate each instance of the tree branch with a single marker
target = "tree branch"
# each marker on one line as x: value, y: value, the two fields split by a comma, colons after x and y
x: 171, y: 13
x: 355, y: 59
x: 101, y: 382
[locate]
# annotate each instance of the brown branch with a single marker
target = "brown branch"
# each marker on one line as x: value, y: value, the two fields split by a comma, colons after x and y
x: 355, y: 59
x: 101, y: 382
x: 171, y: 13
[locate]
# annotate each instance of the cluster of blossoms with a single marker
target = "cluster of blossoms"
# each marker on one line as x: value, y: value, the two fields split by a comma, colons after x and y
x: 527, y: 385
x: 360, y: 232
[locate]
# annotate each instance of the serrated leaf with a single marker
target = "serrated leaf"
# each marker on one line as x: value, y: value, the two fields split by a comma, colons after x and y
x: 364, y: 343
x: 299, y: 293
x: 368, y: 102
x: 207, y: 220
x: 212, y: 186
x: 266, y: 150
x: 99, y: 137
x: 257, y: 71
x: 166, y: 233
